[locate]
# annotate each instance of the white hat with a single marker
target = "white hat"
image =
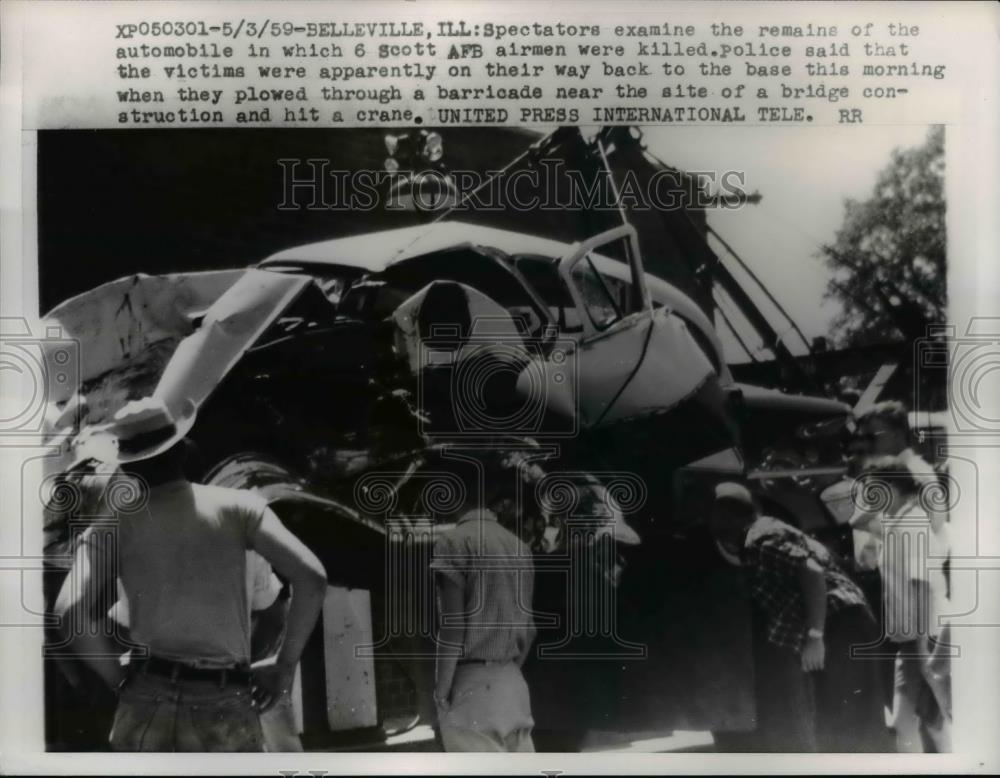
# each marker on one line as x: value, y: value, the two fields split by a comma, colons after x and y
x: 141, y: 429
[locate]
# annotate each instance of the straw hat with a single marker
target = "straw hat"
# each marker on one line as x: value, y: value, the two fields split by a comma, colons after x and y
x: 141, y: 429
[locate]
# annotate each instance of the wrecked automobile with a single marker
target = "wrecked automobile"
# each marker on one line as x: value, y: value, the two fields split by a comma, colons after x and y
x: 354, y: 382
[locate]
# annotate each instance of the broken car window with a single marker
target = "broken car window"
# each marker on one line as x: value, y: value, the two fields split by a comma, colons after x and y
x: 600, y: 303
x: 543, y: 275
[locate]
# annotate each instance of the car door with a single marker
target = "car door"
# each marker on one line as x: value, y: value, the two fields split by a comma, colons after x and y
x: 614, y: 331
x: 633, y: 361
x: 677, y: 598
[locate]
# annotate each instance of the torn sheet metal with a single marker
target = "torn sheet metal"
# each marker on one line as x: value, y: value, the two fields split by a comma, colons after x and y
x: 669, y: 370
x: 118, y: 322
x: 124, y: 333
x: 229, y: 328
x: 373, y: 252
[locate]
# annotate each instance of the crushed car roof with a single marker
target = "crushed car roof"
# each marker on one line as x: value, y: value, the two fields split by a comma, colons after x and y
x: 375, y: 251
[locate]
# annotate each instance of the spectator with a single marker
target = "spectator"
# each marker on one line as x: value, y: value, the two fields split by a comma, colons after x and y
x: 913, y: 594
x: 181, y: 558
x: 812, y: 693
x: 268, y: 613
x: 884, y: 429
x: 485, y: 580
x: 268, y: 609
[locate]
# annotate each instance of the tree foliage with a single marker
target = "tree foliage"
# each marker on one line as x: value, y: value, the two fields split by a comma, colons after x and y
x: 888, y: 260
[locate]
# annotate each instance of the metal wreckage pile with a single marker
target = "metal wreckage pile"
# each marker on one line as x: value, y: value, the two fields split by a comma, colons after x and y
x: 356, y: 382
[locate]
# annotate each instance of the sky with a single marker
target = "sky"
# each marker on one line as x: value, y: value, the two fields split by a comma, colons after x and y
x: 804, y: 175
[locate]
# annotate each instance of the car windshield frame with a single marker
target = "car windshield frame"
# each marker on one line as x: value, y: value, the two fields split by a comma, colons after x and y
x: 556, y: 299
x: 500, y: 261
x: 603, y: 324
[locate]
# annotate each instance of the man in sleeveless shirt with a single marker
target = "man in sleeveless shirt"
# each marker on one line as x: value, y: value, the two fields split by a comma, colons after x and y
x: 181, y: 557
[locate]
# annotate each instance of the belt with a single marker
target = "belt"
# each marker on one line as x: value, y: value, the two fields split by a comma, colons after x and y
x: 178, y: 671
x: 484, y: 661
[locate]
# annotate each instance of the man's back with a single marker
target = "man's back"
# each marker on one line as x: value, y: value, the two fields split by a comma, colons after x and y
x: 183, y: 568
x: 912, y: 552
x: 494, y: 569
x: 485, y: 585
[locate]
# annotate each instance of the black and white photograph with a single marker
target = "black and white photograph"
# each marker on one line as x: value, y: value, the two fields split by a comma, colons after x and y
x: 610, y: 432
x: 603, y: 376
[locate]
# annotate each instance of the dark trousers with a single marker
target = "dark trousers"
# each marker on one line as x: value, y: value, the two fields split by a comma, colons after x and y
x: 839, y: 709
x: 786, y: 711
x: 850, y: 709
x: 157, y: 714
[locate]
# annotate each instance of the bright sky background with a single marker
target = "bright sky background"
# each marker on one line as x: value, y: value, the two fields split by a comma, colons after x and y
x: 804, y: 175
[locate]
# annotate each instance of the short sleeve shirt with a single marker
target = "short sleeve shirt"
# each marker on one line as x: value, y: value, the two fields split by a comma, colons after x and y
x: 263, y: 588
x: 911, y: 559
x: 494, y: 570
x: 774, y: 555
x: 183, y: 569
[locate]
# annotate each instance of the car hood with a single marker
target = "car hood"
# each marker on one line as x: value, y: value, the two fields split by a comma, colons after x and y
x: 173, y: 336
x: 115, y: 323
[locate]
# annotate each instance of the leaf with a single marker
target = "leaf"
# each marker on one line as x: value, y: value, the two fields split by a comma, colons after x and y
x: 888, y: 259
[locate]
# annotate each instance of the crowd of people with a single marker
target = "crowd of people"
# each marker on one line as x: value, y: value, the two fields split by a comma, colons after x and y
x: 189, y: 578
x: 831, y: 661
x: 216, y: 636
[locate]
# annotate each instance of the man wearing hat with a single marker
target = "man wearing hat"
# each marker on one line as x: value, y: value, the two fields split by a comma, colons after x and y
x: 180, y: 553
x: 812, y: 694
